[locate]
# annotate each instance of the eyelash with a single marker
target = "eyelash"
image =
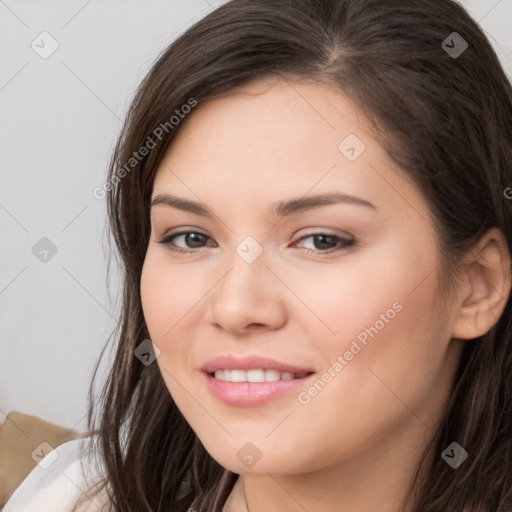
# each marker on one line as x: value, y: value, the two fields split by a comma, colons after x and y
x: 343, y: 243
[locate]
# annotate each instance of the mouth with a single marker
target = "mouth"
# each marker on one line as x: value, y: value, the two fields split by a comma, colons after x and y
x: 253, y: 379
x: 255, y: 387
x: 256, y: 375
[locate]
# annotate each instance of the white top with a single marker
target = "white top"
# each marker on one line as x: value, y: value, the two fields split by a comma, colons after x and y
x: 55, y: 484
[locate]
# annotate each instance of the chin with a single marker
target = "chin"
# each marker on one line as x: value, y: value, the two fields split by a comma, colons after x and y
x: 253, y: 458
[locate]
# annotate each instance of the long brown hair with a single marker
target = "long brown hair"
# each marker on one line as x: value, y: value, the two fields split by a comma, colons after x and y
x: 444, y: 118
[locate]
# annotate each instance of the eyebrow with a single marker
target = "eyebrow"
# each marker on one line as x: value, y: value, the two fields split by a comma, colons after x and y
x: 279, y: 209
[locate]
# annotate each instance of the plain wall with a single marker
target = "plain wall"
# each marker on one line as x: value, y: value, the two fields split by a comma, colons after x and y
x: 60, y: 119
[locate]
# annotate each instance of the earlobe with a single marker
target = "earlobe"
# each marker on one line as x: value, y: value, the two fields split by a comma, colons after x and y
x: 485, y: 286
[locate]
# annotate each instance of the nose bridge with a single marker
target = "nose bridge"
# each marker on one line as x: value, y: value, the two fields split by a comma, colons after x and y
x: 248, y: 268
x: 249, y: 250
x: 246, y: 294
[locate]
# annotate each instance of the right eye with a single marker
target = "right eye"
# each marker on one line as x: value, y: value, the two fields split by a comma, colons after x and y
x: 192, y: 239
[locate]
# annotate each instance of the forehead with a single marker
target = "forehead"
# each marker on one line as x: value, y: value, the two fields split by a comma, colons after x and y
x: 275, y: 138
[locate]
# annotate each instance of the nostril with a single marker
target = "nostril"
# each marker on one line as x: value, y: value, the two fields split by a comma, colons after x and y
x: 255, y: 325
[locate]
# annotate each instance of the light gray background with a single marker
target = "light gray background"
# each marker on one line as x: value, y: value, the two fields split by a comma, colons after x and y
x: 60, y: 118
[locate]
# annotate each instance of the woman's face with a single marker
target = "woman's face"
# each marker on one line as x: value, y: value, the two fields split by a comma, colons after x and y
x: 309, y: 248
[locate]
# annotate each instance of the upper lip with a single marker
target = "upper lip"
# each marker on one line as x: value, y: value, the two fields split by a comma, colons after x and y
x: 228, y: 362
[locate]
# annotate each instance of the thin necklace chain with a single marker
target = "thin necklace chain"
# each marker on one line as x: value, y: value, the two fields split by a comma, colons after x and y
x: 245, y: 497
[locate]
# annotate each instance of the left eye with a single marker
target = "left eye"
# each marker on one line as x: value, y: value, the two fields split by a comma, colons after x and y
x: 193, y: 240
x: 326, y: 239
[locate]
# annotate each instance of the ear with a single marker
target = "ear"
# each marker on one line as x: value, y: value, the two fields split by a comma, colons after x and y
x: 485, y: 286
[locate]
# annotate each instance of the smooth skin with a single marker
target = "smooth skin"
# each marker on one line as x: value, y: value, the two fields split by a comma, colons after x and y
x: 355, y: 445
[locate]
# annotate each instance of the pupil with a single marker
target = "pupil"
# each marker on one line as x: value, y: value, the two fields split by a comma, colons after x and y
x: 322, y: 244
x: 191, y: 236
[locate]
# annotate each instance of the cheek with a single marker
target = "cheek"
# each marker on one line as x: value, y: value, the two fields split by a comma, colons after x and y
x: 386, y: 352
x: 165, y: 299
x: 334, y: 304
x: 167, y: 295
x: 384, y: 313
x: 388, y: 341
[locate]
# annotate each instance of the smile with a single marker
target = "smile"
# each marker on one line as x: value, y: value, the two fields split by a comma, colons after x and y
x: 256, y: 375
x: 246, y: 393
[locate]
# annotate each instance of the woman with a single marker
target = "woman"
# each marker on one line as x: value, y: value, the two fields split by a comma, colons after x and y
x: 309, y: 200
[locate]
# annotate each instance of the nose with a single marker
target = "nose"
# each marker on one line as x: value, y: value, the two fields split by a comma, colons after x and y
x: 249, y: 297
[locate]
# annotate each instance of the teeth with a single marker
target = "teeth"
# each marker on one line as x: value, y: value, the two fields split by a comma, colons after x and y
x: 259, y: 375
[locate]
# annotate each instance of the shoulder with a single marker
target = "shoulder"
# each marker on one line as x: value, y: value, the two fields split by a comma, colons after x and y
x: 56, y: 483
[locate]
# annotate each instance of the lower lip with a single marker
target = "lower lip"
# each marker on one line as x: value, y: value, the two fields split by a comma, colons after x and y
x: 249, y: 394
